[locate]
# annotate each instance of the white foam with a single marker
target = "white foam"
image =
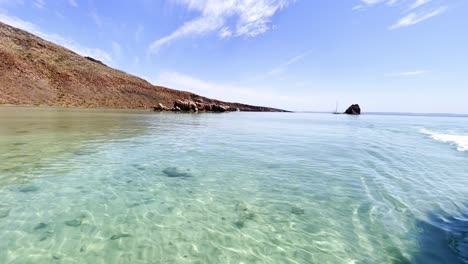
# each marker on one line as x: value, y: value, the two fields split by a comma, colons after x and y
x: 461, y: 141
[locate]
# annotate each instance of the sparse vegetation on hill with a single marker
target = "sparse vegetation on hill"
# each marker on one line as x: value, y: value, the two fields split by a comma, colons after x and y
x: 34, y: 71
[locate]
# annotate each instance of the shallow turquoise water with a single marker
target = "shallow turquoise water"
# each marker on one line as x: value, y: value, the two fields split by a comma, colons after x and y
x: 94, y: 186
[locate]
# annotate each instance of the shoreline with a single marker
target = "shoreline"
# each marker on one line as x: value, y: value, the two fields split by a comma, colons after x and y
x: 140, y: 110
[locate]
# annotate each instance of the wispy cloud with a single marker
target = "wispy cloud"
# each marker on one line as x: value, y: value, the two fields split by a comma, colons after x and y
x: 283, y: 67
x: 230, y: 92
x: 419, y: 3
x: 408, y: 73
x: 73, y: 3
x: 415, y: 18
x: 252, y: 18
x: 412, y: 16
x: 368, y: 3
x: 39, y: 3
x: 68, y: 43
x: 96, y: 18
x: 412, y: 73
x: 225, y: 33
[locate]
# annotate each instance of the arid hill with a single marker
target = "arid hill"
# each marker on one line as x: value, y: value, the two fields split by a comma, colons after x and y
x: 34, y: 71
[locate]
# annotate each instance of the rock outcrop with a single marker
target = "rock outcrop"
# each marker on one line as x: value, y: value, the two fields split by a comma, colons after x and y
x: 353, y: 110
x: 186, y: 105
x: 195, y: 106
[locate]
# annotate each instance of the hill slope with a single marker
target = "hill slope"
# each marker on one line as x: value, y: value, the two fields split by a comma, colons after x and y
x: 34, y: 71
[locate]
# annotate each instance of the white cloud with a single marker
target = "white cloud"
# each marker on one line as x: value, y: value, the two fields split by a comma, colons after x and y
x: 413, y: 73
x: 232, y: 92
x: 283, y: 67
x: 415, y: 3
x: 73, y: 3
x: 225, y: 33
x: 39, y: 3
x: 55, y: 38
x: 373, y: 2
x: 414, y: 18
x: 419, y: 3
x: 96, y: 18
x: 410, y: 18
x: 252, y: 18
x: 358, y: 7
x: 364, y: 4
x: 409, y: 73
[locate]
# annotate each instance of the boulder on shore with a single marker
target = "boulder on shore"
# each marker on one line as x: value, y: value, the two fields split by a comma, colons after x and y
x: 160, y: 107
x: 353, y: 110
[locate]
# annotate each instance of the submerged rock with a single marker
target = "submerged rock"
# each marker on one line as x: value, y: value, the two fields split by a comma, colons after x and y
x: 139, y: 167
x: 239, y: 224
x: 297, y: 210
x: 243, y: 215
x: 40, y: 226
x: 174, y: 172
x: 353, y: 110
x: 118, y: 236
x: 73, y: 223
x: 29, y: 188
x: 4, y: 212
x: 83, y: 152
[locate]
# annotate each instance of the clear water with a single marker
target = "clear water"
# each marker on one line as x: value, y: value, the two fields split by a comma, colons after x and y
x: 94, y: 186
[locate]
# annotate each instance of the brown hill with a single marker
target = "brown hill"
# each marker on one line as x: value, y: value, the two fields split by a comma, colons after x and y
x: 34, y: 71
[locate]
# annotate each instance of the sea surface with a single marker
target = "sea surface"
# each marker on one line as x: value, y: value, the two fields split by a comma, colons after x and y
x: 100, y: 186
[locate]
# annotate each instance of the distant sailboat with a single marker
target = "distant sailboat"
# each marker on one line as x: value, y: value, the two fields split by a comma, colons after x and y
x: 336, y: 109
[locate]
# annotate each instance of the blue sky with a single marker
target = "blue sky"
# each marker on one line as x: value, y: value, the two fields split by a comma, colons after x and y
x: 387, y: 55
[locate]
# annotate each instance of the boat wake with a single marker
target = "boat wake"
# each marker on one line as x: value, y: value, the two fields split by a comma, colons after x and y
x: 460, y: 141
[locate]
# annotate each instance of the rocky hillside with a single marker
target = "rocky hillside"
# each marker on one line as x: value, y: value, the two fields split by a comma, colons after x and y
x: 34, y: 71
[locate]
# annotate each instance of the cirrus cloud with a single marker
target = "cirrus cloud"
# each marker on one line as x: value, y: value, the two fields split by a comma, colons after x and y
x: 414, y: 18
x: 252, y: 18
x: 414, y: 12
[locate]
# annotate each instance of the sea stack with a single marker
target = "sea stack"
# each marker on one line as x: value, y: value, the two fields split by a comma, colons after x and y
x: 353, y: 110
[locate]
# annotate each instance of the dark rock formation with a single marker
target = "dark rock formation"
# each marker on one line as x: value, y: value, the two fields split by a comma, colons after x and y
x: 353, y: 110
x: 94, y: 60
x: 219, y: 108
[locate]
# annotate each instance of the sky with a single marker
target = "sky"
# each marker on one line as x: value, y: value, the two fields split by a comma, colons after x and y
x: 386, y: 55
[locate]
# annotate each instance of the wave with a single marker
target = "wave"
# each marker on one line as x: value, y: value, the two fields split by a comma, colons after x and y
x: 461, y: 141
